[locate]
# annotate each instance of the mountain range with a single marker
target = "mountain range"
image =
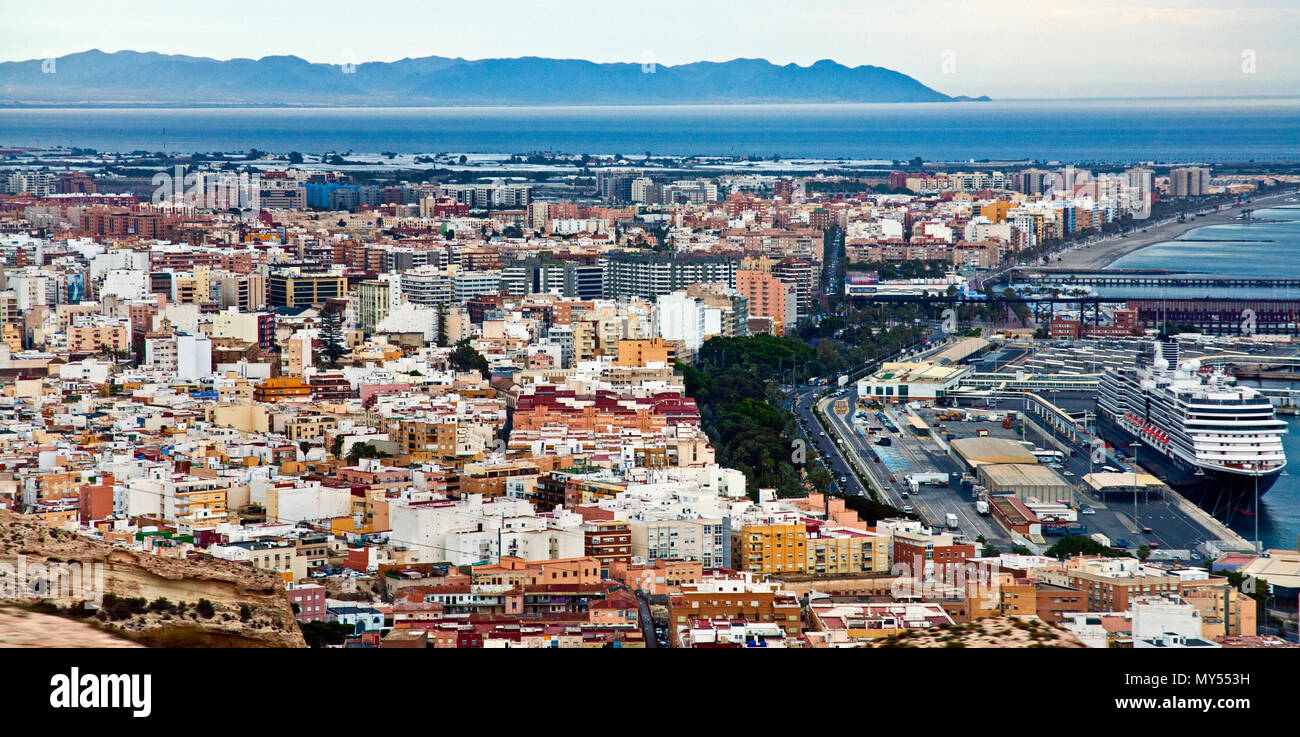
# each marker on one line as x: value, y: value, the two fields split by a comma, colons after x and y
x: 147, y: 78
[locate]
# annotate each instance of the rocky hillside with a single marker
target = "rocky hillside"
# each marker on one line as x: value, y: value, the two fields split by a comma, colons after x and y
x: 129, y: 77
x: 160, y: 601
x: 22, y: 628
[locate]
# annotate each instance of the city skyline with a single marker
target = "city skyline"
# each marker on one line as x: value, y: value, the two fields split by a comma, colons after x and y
x: 1111, y: 49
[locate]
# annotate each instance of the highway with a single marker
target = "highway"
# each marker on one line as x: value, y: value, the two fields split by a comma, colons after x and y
x: 804, y: 397
x: 931, y: 503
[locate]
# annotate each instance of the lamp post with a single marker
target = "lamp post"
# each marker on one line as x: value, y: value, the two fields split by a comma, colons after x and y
x: 1258, y: 549
x: 1134, y: 445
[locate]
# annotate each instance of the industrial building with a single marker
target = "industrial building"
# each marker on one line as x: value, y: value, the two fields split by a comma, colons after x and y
x: 973, y: 453
x: 906, y: 381
x: 1026, y: 481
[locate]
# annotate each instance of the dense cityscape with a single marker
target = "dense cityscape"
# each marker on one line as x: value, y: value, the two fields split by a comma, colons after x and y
x: 568, y: 400
x: 926, y: 330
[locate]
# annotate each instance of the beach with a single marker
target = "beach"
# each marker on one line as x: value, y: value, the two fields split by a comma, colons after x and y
x: 1105, y: 252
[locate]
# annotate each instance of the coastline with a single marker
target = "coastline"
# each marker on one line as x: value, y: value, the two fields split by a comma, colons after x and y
x: 1103, y: 253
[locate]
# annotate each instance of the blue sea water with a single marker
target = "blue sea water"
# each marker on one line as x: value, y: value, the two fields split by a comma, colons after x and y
x: 1072, y: 130
x: 1267, y: 248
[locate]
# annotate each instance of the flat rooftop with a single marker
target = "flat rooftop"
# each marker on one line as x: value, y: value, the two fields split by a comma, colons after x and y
x: 991, y: 450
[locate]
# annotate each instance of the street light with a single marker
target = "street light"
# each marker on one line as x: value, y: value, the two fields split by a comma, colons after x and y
x: 1135, y: 446
x: 1258, y: 549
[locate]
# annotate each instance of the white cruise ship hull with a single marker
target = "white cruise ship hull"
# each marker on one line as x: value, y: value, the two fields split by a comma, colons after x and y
x: 1214, y: 489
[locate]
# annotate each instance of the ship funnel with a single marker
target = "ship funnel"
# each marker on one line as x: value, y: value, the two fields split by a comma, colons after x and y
x: 1166, y: 354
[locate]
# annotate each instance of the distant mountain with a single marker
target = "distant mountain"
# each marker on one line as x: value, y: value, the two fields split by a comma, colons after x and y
x: 135, y: 78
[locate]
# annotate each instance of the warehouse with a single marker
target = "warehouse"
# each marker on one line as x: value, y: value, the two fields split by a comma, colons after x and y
x: 1026, y: 481
x: 973, y: 453
x: 961, y: 351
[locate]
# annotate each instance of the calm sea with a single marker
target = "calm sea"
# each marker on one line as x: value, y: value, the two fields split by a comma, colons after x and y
x: 1266, y: 248
x: 1072, y: 130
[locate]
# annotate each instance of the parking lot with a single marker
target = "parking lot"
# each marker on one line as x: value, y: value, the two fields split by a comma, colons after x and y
x: 908, y: 454
x: 1171, y: 527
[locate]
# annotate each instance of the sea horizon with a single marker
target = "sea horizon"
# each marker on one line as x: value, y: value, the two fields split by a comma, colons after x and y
x: 1165, y: 130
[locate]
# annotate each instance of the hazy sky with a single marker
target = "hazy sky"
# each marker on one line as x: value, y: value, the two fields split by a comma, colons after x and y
x: 1030, y: 48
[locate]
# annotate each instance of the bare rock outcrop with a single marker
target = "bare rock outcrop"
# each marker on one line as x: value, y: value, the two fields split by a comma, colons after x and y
x: 248, y: 605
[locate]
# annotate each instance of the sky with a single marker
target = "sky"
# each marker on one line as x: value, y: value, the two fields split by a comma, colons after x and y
x: 1001, y: 48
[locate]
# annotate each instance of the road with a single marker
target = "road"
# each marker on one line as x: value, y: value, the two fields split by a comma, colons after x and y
x: 831, y: 454
x: 647, y: 622
x: 908, y: 454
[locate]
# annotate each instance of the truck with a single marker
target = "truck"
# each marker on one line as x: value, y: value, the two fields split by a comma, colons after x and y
x: 982, y: 506
x: 929, y: 479
x: 1100, y: 539
x: 952, y: 521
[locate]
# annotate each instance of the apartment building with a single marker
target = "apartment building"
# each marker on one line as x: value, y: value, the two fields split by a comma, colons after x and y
x: 733, y: 598
x: 297, y: 288
x: 771, y: 545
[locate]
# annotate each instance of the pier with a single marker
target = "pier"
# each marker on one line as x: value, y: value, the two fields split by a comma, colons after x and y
x: 1156, y: 280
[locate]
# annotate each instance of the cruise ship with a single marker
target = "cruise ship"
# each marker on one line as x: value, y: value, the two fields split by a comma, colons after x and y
x: 1196, y: 429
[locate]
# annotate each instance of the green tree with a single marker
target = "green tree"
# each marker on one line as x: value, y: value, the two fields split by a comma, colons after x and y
x: 333, y: 346
x: 465, y: 358
x: 363, y: 450
x: 320, y: 634
x: 1072, y: 545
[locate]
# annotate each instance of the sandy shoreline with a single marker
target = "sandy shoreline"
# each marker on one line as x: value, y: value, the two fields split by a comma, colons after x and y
x: 1103, y: 253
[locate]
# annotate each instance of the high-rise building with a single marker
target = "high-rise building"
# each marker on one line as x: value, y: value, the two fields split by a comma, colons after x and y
x: 295, y: 288
x: 1191, y: 181
x: 652, y: 274
x: 682, y: 319
x: 372, y: 302
x: 769, y: 297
